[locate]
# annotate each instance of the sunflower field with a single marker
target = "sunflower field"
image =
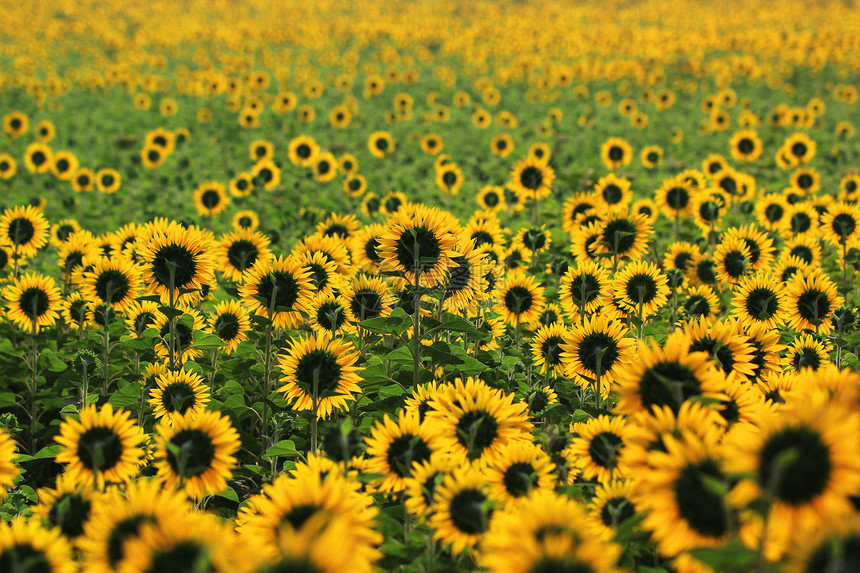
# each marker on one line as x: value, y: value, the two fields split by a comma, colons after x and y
x: 438, y: 285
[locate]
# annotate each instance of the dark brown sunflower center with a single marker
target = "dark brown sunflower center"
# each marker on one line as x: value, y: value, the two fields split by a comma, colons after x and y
x: 800, y: 223
x: 70, y: 512
x: 112, y: 286
x: 677, y: 198
x: 550, y: 349
x: 24, y: 557
x: 746, y: 146
x: 476, y: 431
x: 99, y: 449
x: 843, y: 226
x: 762, y: 303
x: 178, y: 397
x: 697, y: 305
x: 469, y: 512
x: 108, y: 180
x: 615, y: 153
x: 21, y: 231
x: 449, y: 178
x: 178, y: 260
x: 774, y: 212
x: 279, y: 289
x: 518, y: 300
x: 604, y: 449
x: 210, y: 199
x: 182, y: 557
x: 418, y: 250
x: 519, y: 479
x: 735, y: 263
x: 227, y: 326
x: 641, y: 288
x: 34, y: 302
x: 698, y: 504
x: 799, y: 149
x: 531, y: 178
x: 330, y: 316
x: 813, y: 305
x: 619, y: 236
x: 242, y: 254
x: 404, y: 451
x: 191, y: 453
x: 797, y: 463
x: 616, y: 511
x: 668, y: 384
x: 366, y: 303
x: 806, y: 358
x: 319, y: 368
x: 597, y: 351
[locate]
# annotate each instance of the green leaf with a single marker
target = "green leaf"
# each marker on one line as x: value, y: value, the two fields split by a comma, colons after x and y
x: 230, y: 494
x: 733, y: 557
x: 52, y: 362
x: 170, y: 312
x: 283, y: 449
x: 126, y: 397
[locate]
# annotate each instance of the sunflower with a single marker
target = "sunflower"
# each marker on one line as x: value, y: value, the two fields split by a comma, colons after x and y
x: 33, y: 302
x: 261, y: 150
x: 152, y: 156
x: 616, y: 152
x: 186, y: 325
x: 812, y: 298
x: 288, y: 504
x: 354, y: 185
x: 463, y: 509
x: 210, y: 198
x: 685, y: 495
x: 239, y: 251
x: 15, y: 124
x: 521, y: 298
x: 594, y: 352
x: 733, y: 260
x: 25, y: 229
x: 700, y: 303
x: 319, y: 374
x: 380, y: 144
x: 245, y: 220
x: 196, y: 454
x: 575, y: 207
x: 83, y: 180
x: 139, y: 316
x: 807, y: 180
x: 613, y: 504
x: 333, y: 247
x: 641, y: 288
x: 624, y: 235
x: 546, y: 348
x: 38, y: 158
x: 613, y: 190
x: 492, y: 198
x: 8, y: 166
x: 112, y: 281
x: 108, y: 180
x: 418, y: 241
x: 473, y: 421
x: 117, y: 519
x: 849, y: 186
x: 799, y: 147
x: 597, y: 449
x: 502, y: 145
x: 242, y: 185
x: 724, y: 341
x: 651, y: 156
x: 546, y: 531
x: 466, y: 283
x: 531, y: 178
x: 517, y: 469
x: 760, y: 298
x: 772, y: 211
x: 395, y: 448
x: 841, y: 224
x: 366, y: 297
x: 68, y: 506
x: 801, y: 460
x: 807, y: 352
x: 178, y: 395
x: 176, y: 258
x: 709, y: 207
x: 266, y: 174
x: 680, y: 256
x: 185, y: 542
x: 745, y: 146
x: 230, y: 323
x: 801, y: 219
x: 8, y: 470
x: 64, y: 165
x: 666, y: 376
x: 27, y: 546
x: 102, y: 447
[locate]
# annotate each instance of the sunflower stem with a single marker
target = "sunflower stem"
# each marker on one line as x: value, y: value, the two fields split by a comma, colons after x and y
x: 416, y: 316
x: 314, y: 417
x: 267, y: 369
x: 85, y: 383
x: 31, y: 395
x: 106, y: 352
x: 171, y: 323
